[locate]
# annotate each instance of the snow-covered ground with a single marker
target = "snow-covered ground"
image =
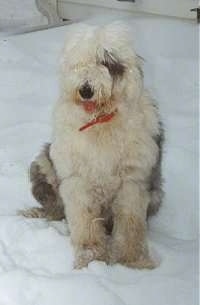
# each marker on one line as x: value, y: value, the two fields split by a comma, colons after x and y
x: 19, y: 15
x: 36, y: 255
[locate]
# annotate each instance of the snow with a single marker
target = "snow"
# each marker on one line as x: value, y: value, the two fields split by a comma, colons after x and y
x: 35, y: 255
x: 19, y: 14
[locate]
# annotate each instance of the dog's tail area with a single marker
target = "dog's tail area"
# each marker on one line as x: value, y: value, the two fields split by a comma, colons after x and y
x: 44, y: 185
x: 156, y: 181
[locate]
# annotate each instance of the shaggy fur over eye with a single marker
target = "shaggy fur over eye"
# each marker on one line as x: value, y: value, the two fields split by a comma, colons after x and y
x: 115, y: 67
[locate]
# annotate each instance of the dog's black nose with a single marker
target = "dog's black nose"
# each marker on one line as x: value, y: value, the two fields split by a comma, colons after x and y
x: 86, y: 91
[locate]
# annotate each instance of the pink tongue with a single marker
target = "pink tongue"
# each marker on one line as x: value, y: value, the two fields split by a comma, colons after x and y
x: 89, y: 106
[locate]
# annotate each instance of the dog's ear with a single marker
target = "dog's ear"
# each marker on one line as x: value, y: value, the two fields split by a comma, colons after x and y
x: 113, y: 64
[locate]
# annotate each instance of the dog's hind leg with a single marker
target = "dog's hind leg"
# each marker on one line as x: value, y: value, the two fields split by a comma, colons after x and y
x: 45, y: 188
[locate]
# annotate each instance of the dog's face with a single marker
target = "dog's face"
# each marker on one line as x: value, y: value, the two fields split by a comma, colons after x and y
x: 100, y: 70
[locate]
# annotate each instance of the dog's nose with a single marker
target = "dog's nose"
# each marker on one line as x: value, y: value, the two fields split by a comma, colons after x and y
x: 86, y: 91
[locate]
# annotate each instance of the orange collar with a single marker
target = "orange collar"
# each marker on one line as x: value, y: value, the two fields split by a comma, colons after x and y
x: 100, y: 119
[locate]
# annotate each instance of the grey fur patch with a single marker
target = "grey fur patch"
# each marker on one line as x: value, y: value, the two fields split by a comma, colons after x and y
x: 140, y: 70
x: 46, y: 151
x: 42, y: 191
x: 155, y: 180
x: 139, y: 63
x: 45, y: 193
x: 115, y: 67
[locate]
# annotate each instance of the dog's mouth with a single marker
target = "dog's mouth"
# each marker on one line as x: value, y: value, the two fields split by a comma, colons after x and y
x: 89, y: 106
x: 99, y: 116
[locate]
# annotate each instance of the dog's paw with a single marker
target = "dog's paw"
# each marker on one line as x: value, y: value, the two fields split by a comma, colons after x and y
x: 83, y: 258
x: 131, y: 257
x: 143, y: 263
x: 86, y: 255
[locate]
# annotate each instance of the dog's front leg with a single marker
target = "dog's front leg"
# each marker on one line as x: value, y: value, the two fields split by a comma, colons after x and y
x: 128, y: 243
x: 83, y: 213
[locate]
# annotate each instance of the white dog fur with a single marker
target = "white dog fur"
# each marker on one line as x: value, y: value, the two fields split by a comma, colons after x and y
x: 104, y: 171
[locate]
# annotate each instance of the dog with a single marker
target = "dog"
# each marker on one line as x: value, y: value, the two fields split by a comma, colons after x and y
x: 102, y: 170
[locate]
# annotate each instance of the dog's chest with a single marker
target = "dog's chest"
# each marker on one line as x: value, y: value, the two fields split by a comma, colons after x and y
x: 87, y: 156
x: 103, y: 158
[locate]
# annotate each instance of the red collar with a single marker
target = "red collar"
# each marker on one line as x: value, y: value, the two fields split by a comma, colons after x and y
x: 100, y: 119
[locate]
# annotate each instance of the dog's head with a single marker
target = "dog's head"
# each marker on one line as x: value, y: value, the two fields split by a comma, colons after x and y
x: 100, y: 70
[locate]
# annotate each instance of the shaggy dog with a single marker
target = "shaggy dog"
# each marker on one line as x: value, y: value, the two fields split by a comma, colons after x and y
x: 102, y: 169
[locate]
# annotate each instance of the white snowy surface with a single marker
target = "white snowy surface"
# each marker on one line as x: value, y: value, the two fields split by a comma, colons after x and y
x: 19, y: 14
x: 36, y: 255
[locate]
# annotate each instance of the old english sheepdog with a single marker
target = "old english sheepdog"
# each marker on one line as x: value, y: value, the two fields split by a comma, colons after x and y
x: 102, y: 170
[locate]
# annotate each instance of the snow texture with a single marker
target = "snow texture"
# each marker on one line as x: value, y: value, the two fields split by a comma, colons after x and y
x: 19, y: 14
x: 35, y: 255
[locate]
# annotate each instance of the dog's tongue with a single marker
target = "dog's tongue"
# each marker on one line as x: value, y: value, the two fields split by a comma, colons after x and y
x: 89, y: 106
